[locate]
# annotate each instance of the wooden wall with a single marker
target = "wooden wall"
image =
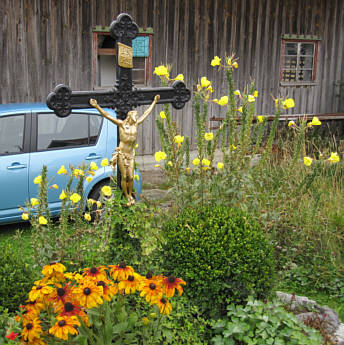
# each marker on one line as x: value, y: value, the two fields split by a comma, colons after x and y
x: 47, y: 42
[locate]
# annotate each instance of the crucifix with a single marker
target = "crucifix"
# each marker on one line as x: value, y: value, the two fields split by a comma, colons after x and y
x: 123, y: 97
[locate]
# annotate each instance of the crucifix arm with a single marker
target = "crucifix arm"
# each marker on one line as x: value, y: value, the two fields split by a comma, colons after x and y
x: 149, y: 110
x: 102, y: 112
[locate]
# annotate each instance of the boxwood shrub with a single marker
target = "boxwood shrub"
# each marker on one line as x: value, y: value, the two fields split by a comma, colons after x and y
x: 221, y: 253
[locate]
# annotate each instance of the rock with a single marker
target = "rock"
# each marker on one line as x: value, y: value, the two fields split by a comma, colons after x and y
x: 296, y: 302
x: 340, y: 334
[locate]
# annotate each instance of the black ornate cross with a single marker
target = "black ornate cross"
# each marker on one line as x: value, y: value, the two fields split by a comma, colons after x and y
x: 124, y: 96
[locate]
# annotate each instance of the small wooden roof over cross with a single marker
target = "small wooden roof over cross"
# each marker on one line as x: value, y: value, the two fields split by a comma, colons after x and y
x: 124, y: 96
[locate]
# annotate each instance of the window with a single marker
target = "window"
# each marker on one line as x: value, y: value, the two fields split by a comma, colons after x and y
x: 299, y: 59
x: 105, y: 54
x: 76, y: 130
x: 12, y: 134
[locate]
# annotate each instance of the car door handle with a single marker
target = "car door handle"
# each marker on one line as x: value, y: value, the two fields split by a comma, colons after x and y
x: 93, y: 156
x: 16, y: 165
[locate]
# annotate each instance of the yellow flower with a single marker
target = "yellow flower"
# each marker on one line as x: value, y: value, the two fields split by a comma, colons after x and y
x: 136, y: 146
x: 54, y: 186
x: 34, y: 202
x: 25, y: 216
x: 63, y: 195
x: 222, y: 101
x: 107, y: 191
x: 170, y: 163
x: 210, y: 89
x: 251, y: 99
x: 89, y: 293
x: 220, y: 165
x: 309, y: 125
x: 215, y: 61
x: 37, y: 179
x: 260, y: 118
x: 179, y: 77
x: 104, y: 162
x: 162, y: 114
x: 53, y: 268
x: 161, y: 71
x: 164, y: 305
x: 91, y: 201
x: 32, y: 330
x: 205, y: 161
x: 87, y: 216
x: 205, y: 82
x: 160, y: 155
x: 136, y: 177
x: 237, y: 92
x: 232, y: 147
x: 62, y: 170
x: 64, y: 325
x: 316, y: 121
x: 288, y: 103
x: 235, y: 64
x: 178, y: 139
x: 196, y: 161
x: 93, y: 166
x: 307, y: 161
x: 255, y: 94
x: 239, y: 109
x: 334, y: 158
x: 42, y: 220
x: 145, y: 321
x: 188, y: 170
x: 291, y: 124
x: 157, y: 165
x: 89, y: 178
x: 78, y: 172
x: 99, y: 204
x: 131, y: 284
x: 75, y: 197
x: 208, y: 136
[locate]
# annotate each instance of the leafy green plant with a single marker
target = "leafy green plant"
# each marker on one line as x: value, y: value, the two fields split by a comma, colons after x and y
x: 222, y: 253
x: 263, y: 323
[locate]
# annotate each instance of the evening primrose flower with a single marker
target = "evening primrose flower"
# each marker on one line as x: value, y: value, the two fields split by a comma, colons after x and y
x: 205, y: 162
x: 37, y: 179
x: 79, y: 172
x: 136, y: 177
x: 34, y: 202
x: 232, y: 147
x: 75, y: 197
x: 222, y: 101
x: 160, y: 155
x: 307, y: 161
x: 54, y: 186
x: 89, y: 178
x: 178, y: 139
x: 288, y: 103
x: 104, y: 162
x: 316, y: 121
x: 157, y: 165
x: 162, y: 114
x: 235, y: 64
x: 208, y: 136
x: 309, y: 125
x: 87, y: 216
x: 291, y: 124
x: 107, y: 191
x: 196, y: 161
x: 25, y: 216
x: 205, y: 82
x: 170, y: 163
x: 237, y: 93
x: 239, y: 109
x: 62, y: 170
x: 260, y: 118
x: 42, y: 220
x: 251, y: 99
x: 220, y: 165
x: 179, y: 77
x: 334, y: 158
x: 216, y: 61
x: 63, y: 195
x: 210, y: 89
x: 93, y: 166
x: 161, y: 71
x: 255, y: 93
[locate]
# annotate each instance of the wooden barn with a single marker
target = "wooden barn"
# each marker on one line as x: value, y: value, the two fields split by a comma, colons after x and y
x: 293, y: 48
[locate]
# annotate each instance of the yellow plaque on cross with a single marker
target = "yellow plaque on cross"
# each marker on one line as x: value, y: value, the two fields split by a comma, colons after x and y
x: 125, y: 55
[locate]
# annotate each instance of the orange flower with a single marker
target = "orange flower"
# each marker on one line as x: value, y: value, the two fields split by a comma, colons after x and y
x: 64, y: 326
x: 109, y: 289
x: 32, y: 330
x: 121, y: 271
x: 53, y: 268
x: 40, y: 291
x: 151, y: 290
x: 164, y: 305
x: 131, y: 284
x: 70, y: 309
x: 172, y: 283
x: 98, y: 273
x: 61, y: 295
x: 89, y: 294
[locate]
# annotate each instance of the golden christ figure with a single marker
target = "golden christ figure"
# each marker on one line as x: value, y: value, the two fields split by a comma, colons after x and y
x: 124, y: 154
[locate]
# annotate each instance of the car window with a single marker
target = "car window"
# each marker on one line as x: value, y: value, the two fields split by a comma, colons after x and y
x: 12, y: 134
x: 75, y: 130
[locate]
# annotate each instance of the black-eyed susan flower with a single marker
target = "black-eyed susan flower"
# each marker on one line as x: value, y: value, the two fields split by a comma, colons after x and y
x: 164, y: 305
x: 34, y: 307
x: 40, y: 291
x: 121, y: 271
x: 151, y: 290
x: 52, y: 268
x: 131, y: 284
x: 97, y: 273
x: 89, y: 294
x: 170, y: 284
x: 64, y: 326
x: 61, y: 294
x: 70, y: 308
x: 109, y: 289
x: 32, y: 330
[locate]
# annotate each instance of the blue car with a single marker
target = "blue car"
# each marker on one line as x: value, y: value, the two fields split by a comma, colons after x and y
x: 31, y: 136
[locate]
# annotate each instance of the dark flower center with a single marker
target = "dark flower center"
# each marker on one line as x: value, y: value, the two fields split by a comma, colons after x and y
x: 68, y: 307
x: 131, y: 278
x: 38, y: 287
x: 53, y: 263
x: 94, y: 270
x: 122, y: 264
x: 32, y: 302
x: 61, y: 292
x: 152, y: 286
x: 149, y: 275
x: 87, y: 291
x: 62, y: 323
x: 163, y: 300
x: 171, y: 279
x: 101, y: 283
x: 29, y: 326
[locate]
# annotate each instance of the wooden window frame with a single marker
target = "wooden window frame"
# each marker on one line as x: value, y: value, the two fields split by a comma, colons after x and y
x: 298, y: 40
x: 112, y: 51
